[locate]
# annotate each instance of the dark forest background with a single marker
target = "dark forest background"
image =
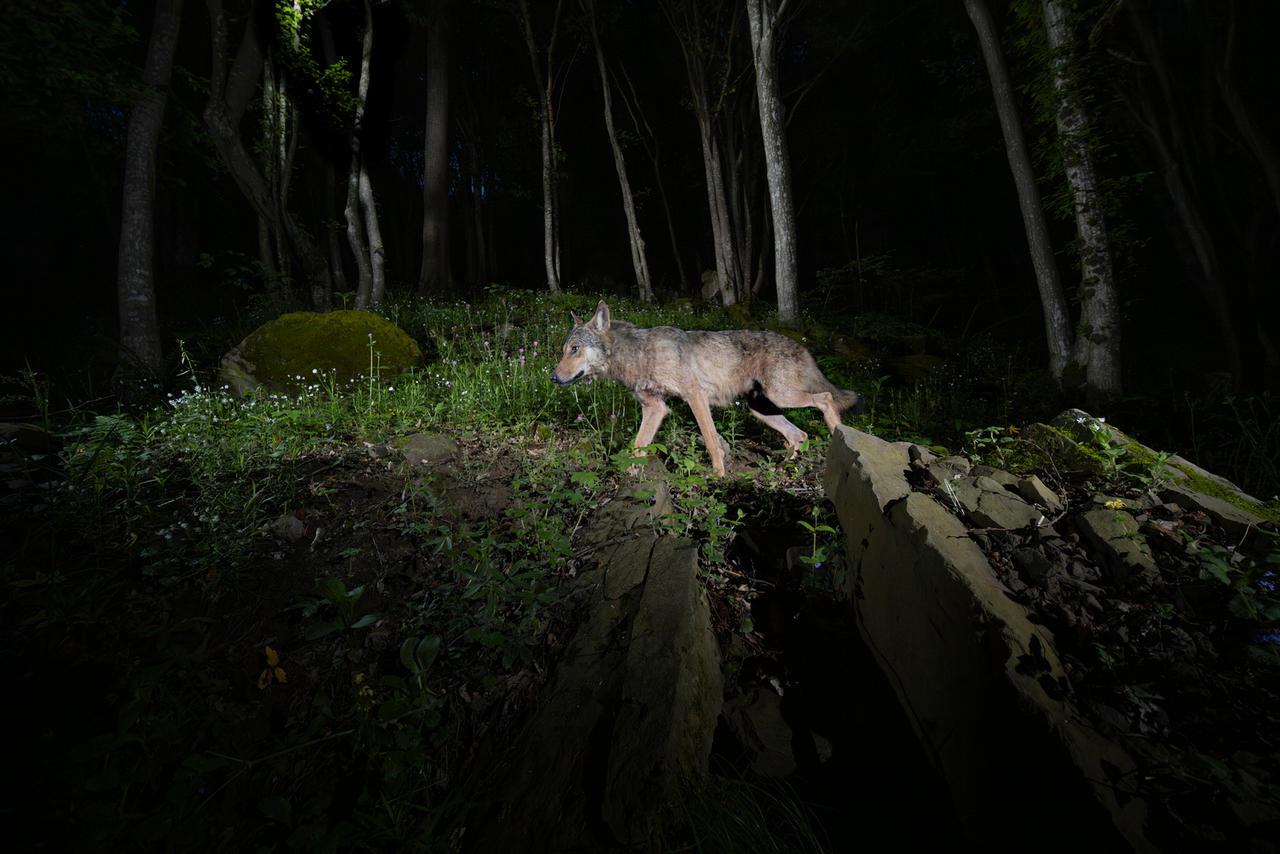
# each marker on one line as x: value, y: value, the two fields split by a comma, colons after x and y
x: 903, y: 196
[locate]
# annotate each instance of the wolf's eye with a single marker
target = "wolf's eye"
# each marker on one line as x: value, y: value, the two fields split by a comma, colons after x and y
x: 573, y: 349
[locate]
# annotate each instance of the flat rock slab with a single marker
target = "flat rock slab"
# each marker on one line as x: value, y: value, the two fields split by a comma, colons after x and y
x: 1113, y: 533
x: 987, y: 504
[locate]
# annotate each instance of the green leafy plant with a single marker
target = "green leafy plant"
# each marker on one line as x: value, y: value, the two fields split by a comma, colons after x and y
x: 989, y: 444
x: 1253, y: 581
x: 344, y: 601
x: 826, y: 553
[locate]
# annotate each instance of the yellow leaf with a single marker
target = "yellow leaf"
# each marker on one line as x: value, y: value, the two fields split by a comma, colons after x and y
x: 272, y: 658
x: 263, y: 678
x: 280, y: 677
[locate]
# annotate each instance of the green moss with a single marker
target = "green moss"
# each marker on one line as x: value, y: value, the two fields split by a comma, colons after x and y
x: 1067, y: 449
x: 1198, y: 483
x: 303, y: 347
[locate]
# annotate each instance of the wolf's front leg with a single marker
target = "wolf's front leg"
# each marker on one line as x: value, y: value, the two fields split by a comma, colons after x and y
x: 653, y: 409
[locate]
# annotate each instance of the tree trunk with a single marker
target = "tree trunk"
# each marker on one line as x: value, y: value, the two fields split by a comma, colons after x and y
x: 140, y: 353
x: 718, y: 201
x: 1057, y: 324
x: 363, y: 232
x: 473, y: 179
x: 1163, y: 125
x: 377, y: 252
x: 686, y: 20
x: 434, y: 276
x: 356, y: 233
x: 763, y: 18
x: 550, y: 217
x: 647, y: 136
x: 336, y: 267
x: 1097, y: 344
x: 639, y: 262
x: 230, y: 90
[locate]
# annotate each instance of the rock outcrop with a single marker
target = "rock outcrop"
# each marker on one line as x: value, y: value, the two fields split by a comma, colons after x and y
x: 985, y: 597
x: 627, y: 719
x: 980, y: 682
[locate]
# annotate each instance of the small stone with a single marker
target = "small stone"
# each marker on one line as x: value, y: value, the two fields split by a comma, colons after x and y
x: 1033, y: 490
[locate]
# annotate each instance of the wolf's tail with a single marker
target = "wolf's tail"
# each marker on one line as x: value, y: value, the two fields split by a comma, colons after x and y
x: 848, y: 401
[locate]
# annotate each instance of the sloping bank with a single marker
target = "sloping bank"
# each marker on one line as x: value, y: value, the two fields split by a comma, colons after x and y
x: 981, y: 684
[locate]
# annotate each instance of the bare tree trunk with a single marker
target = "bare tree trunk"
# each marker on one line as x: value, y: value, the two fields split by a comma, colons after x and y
x: 336, y: 270
x: 1257, y: 141
x: 1163, y: 125
x: 230, y: 89
x: 645, y: 132
x: 377, y: 252
x: 139, y: 352
x: 639, y: 262
x: 1057, y: 324
x: 271, y: 248
x: 472, y: 167
x: 686, y: 20
x: 356, y: 236
x: 764, y: 18
x: 1097, y: 344
x: 727, y: 272
x: 363, y: 232
x: 1254, y: 137
x: 434, y: 275
x: 550, y: 214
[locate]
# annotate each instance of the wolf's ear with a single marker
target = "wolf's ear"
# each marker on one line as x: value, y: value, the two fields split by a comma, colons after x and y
x: 600, y: 320
x: 577, y: 321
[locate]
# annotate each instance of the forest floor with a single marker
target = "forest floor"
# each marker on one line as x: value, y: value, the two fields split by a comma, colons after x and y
x: 354, y: 679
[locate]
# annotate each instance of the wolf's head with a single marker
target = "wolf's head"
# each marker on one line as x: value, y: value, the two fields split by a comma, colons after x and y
x: 584, y: 350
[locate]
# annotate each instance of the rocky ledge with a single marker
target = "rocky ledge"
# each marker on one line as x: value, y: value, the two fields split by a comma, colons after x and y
x: 1088, y: 653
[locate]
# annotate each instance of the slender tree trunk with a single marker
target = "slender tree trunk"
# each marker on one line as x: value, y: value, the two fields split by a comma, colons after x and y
x: 639, y: 262
x: 377, y: 252
x: 336, y: 266
x: 472, y: 167
x: 434, y: 275
x: 357, y: 236
x: 1057, y: 323
x: 550, y: 217
x: 363, y: 232
x: 727, y: 272
x: 763, y: 18
x: 1169, y: 142
x: 139, y: 352
x: 230, y: 90
x: 717, y: 195
x: 645, y: 132
x: 686, y: 19
x: 1097, y: 343
x: 271, y: 252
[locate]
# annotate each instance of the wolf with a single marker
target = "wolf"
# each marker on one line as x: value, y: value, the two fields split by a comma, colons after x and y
x: 704, y: 369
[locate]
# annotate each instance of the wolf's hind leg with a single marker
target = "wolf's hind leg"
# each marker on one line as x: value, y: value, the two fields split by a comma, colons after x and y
x: 823, y: 401
x: 826, y: 402
x: 768, y: 412
x: 697, y: 400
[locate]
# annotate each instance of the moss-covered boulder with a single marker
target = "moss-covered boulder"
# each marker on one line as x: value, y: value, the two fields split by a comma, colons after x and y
x: 303, y: 347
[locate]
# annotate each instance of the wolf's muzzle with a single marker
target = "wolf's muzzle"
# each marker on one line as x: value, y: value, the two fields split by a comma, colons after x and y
x: 559, y: 380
